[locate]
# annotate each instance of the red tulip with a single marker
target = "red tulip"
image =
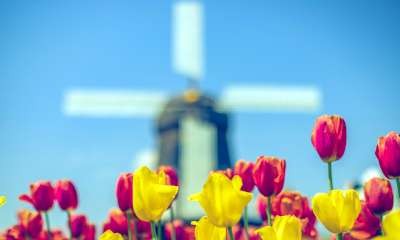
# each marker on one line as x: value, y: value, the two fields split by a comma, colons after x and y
x: 143, y: 229
x: 388, y: 153
x: 189, y: 232
x: 245, y: 171
x: 269, y: 175
x: 179, y: 227
x: 78, y: 225
x: 309, y: 225
x: 329, y: 137
x: 116, y: 222
x: 13, y: 233
x: 367, y: 224
x: 31, y: 223
x: 56, y: 234
x: 261, y: 204
x: 90, y: 232
x: 252, y: 235
x: 290, y: 203
x: 171, y: 173
x: 66, y: 195
x: 378, y: 195
x: 42, y: 196
x: 124, y: 192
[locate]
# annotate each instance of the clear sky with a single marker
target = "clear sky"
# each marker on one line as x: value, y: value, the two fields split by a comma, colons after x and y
x: 349, y: 49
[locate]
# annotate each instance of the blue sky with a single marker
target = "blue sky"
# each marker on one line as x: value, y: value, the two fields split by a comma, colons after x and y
x: 349, y: 49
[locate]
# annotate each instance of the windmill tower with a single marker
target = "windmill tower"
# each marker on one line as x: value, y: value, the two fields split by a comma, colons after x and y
x: 192, y: 128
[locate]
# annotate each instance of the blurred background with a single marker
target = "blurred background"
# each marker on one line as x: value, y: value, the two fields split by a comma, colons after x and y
x: 334, y: 57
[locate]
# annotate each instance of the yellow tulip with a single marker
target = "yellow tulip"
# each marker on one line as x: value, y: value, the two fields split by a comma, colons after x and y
x: 391, y: 226
x: 3, y: 200
x: 222, y: 199
x: 337, y: 210
x: 283, y: 228
x: 109, y: 235
x: 151, y: 194
x: 205, y: 230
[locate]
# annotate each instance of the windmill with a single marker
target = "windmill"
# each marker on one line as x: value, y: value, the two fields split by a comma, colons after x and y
x: 192, y: 127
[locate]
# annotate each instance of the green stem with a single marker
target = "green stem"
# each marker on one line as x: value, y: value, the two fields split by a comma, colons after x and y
x: 246, y: 223
x: 128, y: 218
x: 398, y: 186
x: 340, y: 236
x: 69, y: 224
x: 46, y: 215
x: 153, y: 231
x: 231, y: 237
x: 268, y: 210
x: 172, y: 218
x: 330, y: 178
x: 159, y: 226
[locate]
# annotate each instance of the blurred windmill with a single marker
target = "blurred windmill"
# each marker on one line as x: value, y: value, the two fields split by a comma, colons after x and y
x: 192, y: 127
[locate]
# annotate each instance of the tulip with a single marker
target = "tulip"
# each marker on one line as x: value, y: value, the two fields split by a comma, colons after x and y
x: 329, y: 140
x: 143, y: 230
x: 290, y: 203
x: 90, y: 232
x: 227, y: 172
x: 367, y: 225
x: 109, y: 235
x: 309, y: 225
x: 283, y: 228
x: 378, y: 195
x: 177, y: 227
x: 253, y: 235
x: 116, y: 222
x: 337, y: 210
x: 78, y: 223
x: 189, y: 232
x: 56, y: 234
x: 391, y: 226
x: 262, y: 204
x: 388, y: 153
x: 222, y: 199
x: 30, y: 223
x: 171, y: 174
x: 66, y: 195
x: 269, y: 177
x: 42, y: 198
x: 124, y: 195
x: 205, y: 230
x: 329, y: 137
x: 3, y: 200
x: 13, y: 233
x: 152, y: 195
x: 245, y: 171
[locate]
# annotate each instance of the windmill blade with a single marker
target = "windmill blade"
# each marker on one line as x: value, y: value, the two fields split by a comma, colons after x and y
x: 271, y: 98
x: 112, y: 103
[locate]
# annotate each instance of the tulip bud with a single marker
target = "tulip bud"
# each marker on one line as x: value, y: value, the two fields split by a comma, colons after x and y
x: 269, y: 175
x: 179, y: 228
x: 78, y: 223
x: 66, y: 195
x: 42, y: 196
x: 13, y: 233
x: 367, y: 225
x: 124, y: 191
x: 30, y: 223
x: 378, y: 195
x: 388, y: 153
x: 56, y: 234
x: 116, y: 222
x: 329, y: 137
x: 171, y: 174
x: 143, y: 229
x: 245, y: 171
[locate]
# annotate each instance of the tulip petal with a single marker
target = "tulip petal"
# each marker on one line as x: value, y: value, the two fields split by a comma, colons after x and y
x: 350, y: 210
x: 205, y: 230
x: 391, y: 224
x: 109, y: 235
x: 325, y: 211
x: 287, y: 227
x: 3, y: 200
x: 26, y: 198
x: 267, y: 233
